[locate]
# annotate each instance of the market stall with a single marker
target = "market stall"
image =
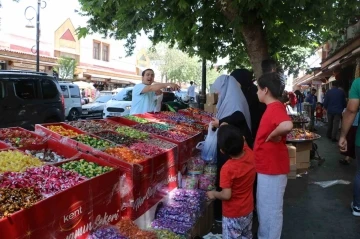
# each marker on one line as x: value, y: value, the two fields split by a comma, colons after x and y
x: 100, y: 173
x: 302, y: 139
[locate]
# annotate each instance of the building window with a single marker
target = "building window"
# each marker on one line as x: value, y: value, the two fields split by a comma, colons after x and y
x: 96, y: 50
x: 105, y: 52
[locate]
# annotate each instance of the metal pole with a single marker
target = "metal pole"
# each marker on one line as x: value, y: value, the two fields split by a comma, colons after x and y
x: 203, y: 85
x: 38, y: 36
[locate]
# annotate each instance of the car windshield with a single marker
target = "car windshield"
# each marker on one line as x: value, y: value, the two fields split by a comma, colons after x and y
x: 123, y: 95
x: 103, y: 99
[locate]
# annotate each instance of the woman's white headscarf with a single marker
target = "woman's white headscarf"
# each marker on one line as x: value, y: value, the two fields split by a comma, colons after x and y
x: 231, y: 98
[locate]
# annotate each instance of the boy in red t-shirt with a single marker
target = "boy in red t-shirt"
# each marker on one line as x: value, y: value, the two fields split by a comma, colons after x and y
x: 236, y: 180
x: 271, y: 158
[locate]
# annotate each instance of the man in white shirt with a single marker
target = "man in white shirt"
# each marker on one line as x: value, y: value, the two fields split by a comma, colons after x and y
x: 144, y: 94
x: 191, y: 91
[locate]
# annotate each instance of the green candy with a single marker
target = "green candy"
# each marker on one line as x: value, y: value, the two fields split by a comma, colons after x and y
x: 132, y: 133
x: 86, y: 169
x: 136, y: 119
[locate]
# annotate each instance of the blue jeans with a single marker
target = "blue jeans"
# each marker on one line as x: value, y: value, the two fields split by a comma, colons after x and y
x: 357, y: 178
x: 298, y: 107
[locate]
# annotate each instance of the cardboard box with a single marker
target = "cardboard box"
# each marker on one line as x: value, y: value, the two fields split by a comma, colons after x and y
x: 204, y: 223
x: 303, y: 157
x: 210, y: 108
x: 293, y: 160
x: 302, y: 146
x: 211, y: 98
x: 292, y: 174
x: 302, y: 166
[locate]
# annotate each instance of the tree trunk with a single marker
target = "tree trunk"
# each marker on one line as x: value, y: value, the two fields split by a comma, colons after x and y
x: 252, y: 31
x: 256, y: 45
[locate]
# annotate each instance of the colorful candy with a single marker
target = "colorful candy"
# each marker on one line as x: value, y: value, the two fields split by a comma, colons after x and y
x: 130, y: 230
x: 93, y: 142
x: 207, y: 182
x: 46, y: 155
x: 15, y: 161
x: 116, y: 138
x: 107, y: 232
x: 92, y: 126
x: 166, y: 234
x: 19, y: 138
x: 86, y: 169
x: 15, y: 199
x: 132, y: 133
x: 63, y: 131
x: 174, y: 135
x: 190, y: 182
x: 210, y: 169
x: 160, y: 143
x: 196, y: 165
x: 146, y: 149
x: 47, y: 179
x: 136, y: 119
x: 125, y: 154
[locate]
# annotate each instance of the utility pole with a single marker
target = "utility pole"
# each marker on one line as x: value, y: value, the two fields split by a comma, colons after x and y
x: 38, y: 36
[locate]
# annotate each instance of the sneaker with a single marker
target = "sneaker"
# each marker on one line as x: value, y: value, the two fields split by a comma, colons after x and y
x: 355, y: 210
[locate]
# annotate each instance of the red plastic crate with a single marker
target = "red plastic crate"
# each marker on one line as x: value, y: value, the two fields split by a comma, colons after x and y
x: 70, y: 212
x: 122, y: 121
x: 43, y: 130
x: 3, y: 145
x: 151, y: 191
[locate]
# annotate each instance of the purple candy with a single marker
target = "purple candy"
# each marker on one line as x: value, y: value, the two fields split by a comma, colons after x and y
x: 174, y: 226
x: 107, y: 233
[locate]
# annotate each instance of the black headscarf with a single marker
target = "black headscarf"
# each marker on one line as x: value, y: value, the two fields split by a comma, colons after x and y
x: 244, y: 77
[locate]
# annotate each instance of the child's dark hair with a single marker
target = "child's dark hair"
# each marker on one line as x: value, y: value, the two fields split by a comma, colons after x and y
x: 272, y: 82
x: 230, y: 140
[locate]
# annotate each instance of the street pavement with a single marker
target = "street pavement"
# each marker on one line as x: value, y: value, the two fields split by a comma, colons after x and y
x: 313, y: 212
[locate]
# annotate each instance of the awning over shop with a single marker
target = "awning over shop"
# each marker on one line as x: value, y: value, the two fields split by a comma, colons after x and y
x: 112, y: 79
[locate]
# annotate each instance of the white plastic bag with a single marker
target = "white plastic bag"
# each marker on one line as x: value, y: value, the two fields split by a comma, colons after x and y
x: 209, y: 147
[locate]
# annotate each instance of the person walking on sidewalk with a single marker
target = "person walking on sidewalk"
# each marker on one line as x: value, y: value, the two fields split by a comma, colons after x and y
x: 271, y: 158
x: 334, y: 103
x: 349, y: 116
x: 311, y: 99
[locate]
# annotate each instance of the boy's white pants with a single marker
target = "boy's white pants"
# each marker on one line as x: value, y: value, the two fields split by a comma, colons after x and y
x: 269, y: 204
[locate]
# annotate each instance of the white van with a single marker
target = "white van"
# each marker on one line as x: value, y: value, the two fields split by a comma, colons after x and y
x: 120, y: 104
x: 72, y: 100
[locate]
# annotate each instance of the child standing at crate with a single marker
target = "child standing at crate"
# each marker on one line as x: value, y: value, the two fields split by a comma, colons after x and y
x: 236, y: 180
x: 271, y: 158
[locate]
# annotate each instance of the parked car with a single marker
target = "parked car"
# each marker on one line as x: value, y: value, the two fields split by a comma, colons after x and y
x: 72, y: 99
x: 28, y: 98
x: 95, y: 109
x: 106, y: 92
x: 120, y: 104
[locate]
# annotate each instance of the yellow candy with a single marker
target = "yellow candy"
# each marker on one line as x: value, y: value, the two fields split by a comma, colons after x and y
x: 14, y: 161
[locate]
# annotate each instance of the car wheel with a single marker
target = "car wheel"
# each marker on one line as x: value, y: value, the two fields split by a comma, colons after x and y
x: 73, y: 115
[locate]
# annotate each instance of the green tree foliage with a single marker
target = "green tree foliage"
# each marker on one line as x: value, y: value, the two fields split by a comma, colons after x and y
x: 178, y: 67
x: 246, y: 31
x: 66, y: 68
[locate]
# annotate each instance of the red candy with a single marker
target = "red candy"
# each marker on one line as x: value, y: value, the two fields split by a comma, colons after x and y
x: 47, y: 179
